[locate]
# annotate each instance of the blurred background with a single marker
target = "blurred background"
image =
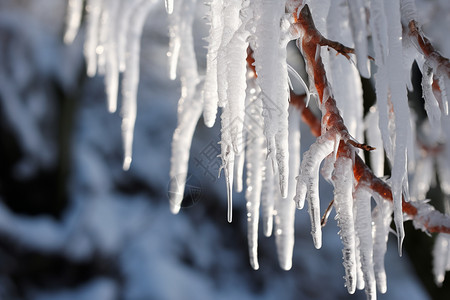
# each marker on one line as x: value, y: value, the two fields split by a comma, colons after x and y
x: 74, y: 225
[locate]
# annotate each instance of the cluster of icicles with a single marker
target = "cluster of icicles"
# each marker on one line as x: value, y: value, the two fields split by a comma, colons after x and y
x: 260, y: 105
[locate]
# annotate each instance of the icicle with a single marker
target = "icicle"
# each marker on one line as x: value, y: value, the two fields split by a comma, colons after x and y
x: 127, y: 8
x: 271, y: 67
x: 285, y: 207
x: 255, y: 162
x: 211, y: 96
x: 423, y: 176
x: 111, y: 57
x: 359, y: 31
x: 382, y: 217
x: 93, y: 9
x: 189, y: 111
x: 408, y: 10
x: 267, y: 198
x: 227, y: 155
x: 169, y: 6
x: 347, y: 90
x: 308, y: 181
x: 374, y: 139
x: 131, y: 80
x: 231, y: 23
x: 73, y: 20
x: 343, y: 203
x: 401, y: 110
x: 236, y: 53
x: 441, y: 257
x: 239, y: 171
x: 431, y: 104
x: 363, y: 227
x: 444, y: 85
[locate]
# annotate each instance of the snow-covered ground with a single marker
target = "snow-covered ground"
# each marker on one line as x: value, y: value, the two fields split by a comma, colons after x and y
x: 122, y: 219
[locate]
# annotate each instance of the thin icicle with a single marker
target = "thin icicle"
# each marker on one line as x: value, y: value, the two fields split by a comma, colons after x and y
x: 401, y: 110
x: 374, y: 139
x: 267, y: 198
x: 211, y: 96
x: 169, y: 6
x: 285, y: 207
x: 382, y: 217
x: 343, y: 203
x: 111, y: 55
x: 431, y: 104
x: 441, y: 257
x: 227, y: 155
x: 189, y: 111
x: 308, y: 183
x: 131, y: 80
x: 359, y: 31
x: 363, y: 227
x: 73, y: 20
x: 255, y: 164
x: 93, y: 9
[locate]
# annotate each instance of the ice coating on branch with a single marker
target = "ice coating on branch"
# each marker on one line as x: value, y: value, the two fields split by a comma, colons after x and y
x: 271, y: 67
x: 73, y: 20
x: 343, y: 204
x: 210, y: 95
x: 285, y: 207
x: 255, y: 157
x: 382, y: 218
x: 131, y: 79
x: 363, y: 227
x: 308, y: 183
x: 441, y: 257
x: 93, y: 9
x: 359, y: 31
x: 189, y: 111
x: 401, y: 110
x: 374, y: 139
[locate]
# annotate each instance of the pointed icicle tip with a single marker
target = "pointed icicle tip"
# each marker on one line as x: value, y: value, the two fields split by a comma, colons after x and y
x: 127, y: 163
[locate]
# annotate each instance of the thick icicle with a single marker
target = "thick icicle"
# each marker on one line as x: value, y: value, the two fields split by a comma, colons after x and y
x: 285, y: 207
x: 93, y: 8
x: 255, y: 163
x: 401, y: 110
x: 131, y: 80
x: 347, y: 90
x: 210, y: 95
x: 343, y: 203
x: 423, y: 176
x: 271, y: 67
x: 189, y: 111
x: 363, y: 227
x: 73, y: 20
x: 308, y: 183
x: 231, y: 23
x: 382, y: 217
